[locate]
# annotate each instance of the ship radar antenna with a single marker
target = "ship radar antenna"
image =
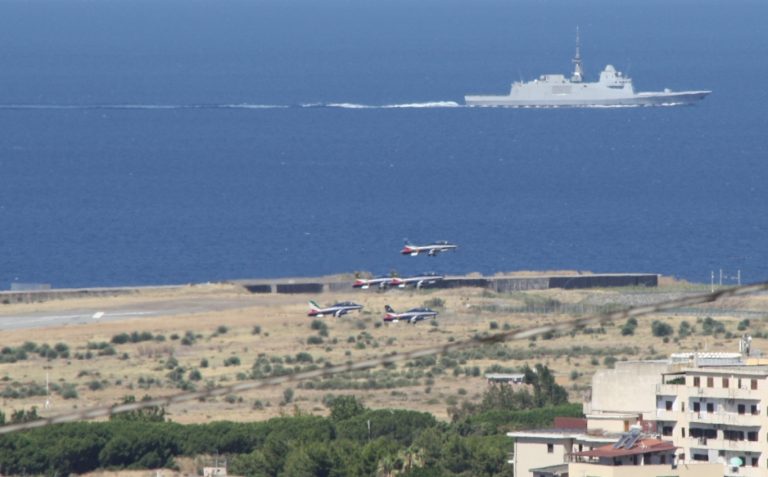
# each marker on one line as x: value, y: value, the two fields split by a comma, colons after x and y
x: 578, y: 72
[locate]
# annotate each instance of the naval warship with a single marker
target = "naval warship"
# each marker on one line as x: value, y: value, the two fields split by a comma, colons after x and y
x: 612, y: 89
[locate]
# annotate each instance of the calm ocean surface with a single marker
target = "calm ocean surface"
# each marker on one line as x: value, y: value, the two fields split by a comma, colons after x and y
x: 136, y: 146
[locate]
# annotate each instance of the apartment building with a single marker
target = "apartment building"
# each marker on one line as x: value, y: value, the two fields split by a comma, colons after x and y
x: 716, y: 414
x: 707, y: 407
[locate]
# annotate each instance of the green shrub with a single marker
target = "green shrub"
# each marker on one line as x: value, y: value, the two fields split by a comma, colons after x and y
x: 661, y: 329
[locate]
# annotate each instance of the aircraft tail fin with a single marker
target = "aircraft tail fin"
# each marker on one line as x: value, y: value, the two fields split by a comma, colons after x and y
x: 313, y: 305
x: 388, y: 309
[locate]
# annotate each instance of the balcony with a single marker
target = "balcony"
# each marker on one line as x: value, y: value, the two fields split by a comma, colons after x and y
x: 724, y: 417
x: 725, y: 393
x: 664, y: 415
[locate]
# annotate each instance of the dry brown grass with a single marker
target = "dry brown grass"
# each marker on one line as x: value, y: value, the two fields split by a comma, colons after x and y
x: 285, y: 327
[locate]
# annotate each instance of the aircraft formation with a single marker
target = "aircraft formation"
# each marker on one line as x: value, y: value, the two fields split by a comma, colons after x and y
x: 423, y: 280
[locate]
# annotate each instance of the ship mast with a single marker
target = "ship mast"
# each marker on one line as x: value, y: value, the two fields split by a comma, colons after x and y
x: 578, y: 72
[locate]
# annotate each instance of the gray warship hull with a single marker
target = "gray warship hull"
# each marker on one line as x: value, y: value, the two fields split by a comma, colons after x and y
x: 567, y: 100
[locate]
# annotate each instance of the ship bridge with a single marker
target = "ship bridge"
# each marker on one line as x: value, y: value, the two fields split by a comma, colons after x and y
x: 615, y: 79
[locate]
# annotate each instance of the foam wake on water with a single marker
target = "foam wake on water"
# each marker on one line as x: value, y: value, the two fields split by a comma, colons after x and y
x: 142, y: 106
x: 424, y: 105
x: 429, y: 104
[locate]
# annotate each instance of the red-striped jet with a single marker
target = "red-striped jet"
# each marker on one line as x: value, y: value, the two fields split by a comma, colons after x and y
x: 431, y: 249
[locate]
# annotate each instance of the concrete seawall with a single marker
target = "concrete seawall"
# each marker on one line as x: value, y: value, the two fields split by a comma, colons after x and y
x: 498, y: 284
x: 337, y: 285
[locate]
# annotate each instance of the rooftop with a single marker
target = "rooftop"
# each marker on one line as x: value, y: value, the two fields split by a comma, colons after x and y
x: 641, y: 446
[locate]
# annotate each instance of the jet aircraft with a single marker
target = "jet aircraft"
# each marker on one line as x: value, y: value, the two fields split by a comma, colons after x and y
x: 337, y: 310
x: 419, y: 281
x: 431, y: 249
x: 411, y: 316
x: 366, y: 283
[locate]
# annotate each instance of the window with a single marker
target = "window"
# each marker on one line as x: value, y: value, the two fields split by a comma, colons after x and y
x: 696, y: 381
x: 696, y: 406
x: 753, y: 409
x: 754, y: 461
x: 752, y: 436
x: 754, y: 384
x: 682, y: 406
x: 725, y: 382
x: 550, y: 448
x: 662, y: 459
x: 741, y: 408
x: 710, y: 382
x: 710, y: 407
x: 666, y: 431
x: 682, y: 430
x: 668, y: 405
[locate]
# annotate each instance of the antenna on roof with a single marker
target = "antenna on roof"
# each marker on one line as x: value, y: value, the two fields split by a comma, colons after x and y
x: 578, y: 71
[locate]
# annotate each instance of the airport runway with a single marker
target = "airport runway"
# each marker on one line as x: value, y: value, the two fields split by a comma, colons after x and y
x: 64, y: 316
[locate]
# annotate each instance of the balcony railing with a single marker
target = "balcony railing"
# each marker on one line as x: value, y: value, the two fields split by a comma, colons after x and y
x: 714, y: 392
x: 725, y: 417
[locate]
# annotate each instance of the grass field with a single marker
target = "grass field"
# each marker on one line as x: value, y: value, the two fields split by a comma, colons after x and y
x: 263, y: 335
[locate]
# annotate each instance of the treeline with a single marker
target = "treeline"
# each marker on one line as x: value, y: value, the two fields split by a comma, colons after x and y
x: 352, y: 441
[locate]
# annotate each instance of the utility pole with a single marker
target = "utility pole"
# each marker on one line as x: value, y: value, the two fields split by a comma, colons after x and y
x: 721, y: 277
x: 711, y: 281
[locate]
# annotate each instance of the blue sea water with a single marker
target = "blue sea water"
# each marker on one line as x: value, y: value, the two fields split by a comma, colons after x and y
x: 149, y: 142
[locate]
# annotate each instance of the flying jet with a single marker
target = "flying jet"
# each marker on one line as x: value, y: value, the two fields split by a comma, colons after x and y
x: 366, y: 283
x: 419, y: 281
x: 337, y: 310
x: 431, y: 249
x: 411, y: 316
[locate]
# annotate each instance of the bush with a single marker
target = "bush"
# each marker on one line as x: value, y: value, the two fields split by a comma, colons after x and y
x: 661, y: 329
x: 629, y: 327
x: 232, y: 361
x: 314, y: 340
x: 304, y: 357
x: 222, y: 329
x: 69, y: 391
x: 256, y: 330
x: 122, y: 338
x: 710, y: 326
x: 287, y: 395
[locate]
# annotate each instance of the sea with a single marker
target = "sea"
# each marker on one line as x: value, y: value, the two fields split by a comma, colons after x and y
x: 147, y: 142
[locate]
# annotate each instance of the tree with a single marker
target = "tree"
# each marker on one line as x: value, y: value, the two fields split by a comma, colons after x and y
x: 661, y: 329
x: 148, y: 414
x: 344, y: 407
x: 546, y: 392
